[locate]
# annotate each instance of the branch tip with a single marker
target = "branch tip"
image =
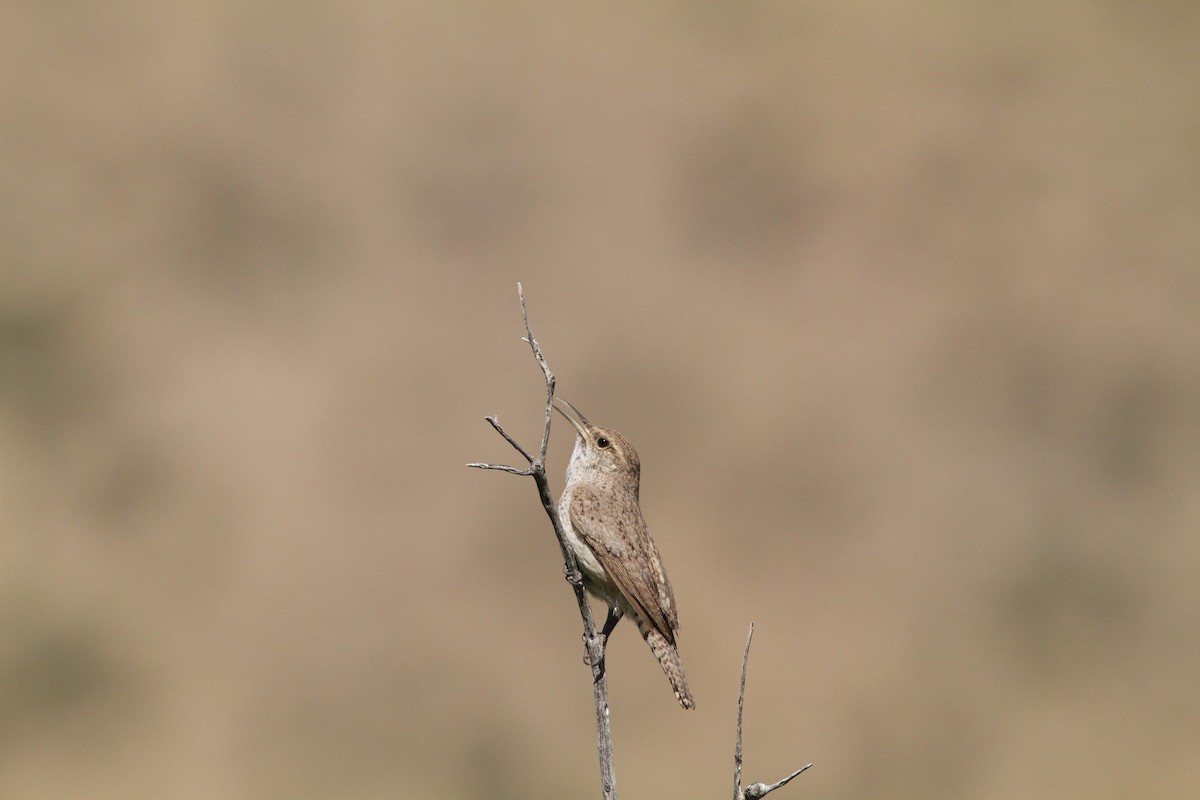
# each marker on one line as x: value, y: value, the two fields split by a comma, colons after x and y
x: 757, y: 790
x: 500, y: 468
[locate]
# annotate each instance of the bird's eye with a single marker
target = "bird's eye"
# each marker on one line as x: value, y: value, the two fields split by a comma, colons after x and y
x: 603, y: 443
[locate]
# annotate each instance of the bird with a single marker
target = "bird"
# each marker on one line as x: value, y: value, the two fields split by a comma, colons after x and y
x: 602, y: 521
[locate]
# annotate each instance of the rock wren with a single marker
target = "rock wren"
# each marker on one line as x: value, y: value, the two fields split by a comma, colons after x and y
x: 603, y: 523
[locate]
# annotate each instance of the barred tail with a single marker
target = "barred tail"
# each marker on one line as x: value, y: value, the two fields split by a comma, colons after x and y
x: 668, y: 657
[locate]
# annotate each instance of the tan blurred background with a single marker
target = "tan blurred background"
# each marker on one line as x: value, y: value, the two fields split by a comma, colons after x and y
x: 899, y: 302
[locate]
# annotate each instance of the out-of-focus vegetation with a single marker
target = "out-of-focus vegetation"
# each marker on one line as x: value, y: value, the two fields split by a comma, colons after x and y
x: 899, y: 302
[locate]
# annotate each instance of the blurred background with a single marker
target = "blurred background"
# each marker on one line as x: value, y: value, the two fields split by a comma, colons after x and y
x: 898, y: 301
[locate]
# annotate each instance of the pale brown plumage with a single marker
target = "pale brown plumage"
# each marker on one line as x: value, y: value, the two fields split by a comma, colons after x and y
x: 603, y: 521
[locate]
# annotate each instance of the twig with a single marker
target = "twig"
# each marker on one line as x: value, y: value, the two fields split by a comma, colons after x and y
x: 755, y: 790
x: 537, y: 469
x: 737, y: 749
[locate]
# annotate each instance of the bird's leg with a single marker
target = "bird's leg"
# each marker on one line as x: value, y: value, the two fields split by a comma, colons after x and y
x: 614, y: 616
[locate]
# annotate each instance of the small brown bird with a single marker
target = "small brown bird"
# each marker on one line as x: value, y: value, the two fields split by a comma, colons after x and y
x: 603, y: 523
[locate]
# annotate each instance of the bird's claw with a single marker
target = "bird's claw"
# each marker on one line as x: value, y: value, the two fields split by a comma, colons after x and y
x: 593, y: 650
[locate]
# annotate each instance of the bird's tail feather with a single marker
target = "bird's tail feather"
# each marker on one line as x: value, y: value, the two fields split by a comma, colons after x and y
x: 668, y: 657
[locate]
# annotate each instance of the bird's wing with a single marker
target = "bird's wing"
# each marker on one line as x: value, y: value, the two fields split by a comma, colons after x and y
x: 616, y: 532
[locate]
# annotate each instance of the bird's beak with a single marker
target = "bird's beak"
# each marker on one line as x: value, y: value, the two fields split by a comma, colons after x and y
x: 578, y: 421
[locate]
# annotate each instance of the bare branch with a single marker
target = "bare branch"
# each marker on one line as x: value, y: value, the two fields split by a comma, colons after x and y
x: 755, y: 790
x: 537, y: 356
x: 500, y: 467
x: 537, y: 469
x: 495, y: 423
x: 737, y: 750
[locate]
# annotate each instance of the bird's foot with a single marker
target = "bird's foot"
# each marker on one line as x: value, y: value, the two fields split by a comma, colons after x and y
x: 593, y: 650
x: 573, y: 576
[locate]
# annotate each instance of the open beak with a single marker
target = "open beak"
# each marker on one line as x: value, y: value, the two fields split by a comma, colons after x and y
x: 578, y: 421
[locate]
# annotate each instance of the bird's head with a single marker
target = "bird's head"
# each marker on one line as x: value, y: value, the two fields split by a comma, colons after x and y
x: 597, y: 449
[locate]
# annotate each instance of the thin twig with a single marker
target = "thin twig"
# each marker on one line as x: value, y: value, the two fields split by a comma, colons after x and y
x: 737, y: 750
x: 537, y: 469
x: 495, y: 423
x: 499, y: 467
x: 537, y: 355
x: 755, y: 790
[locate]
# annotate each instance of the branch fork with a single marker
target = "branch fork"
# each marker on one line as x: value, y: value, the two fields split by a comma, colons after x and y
x: 755, y: 790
